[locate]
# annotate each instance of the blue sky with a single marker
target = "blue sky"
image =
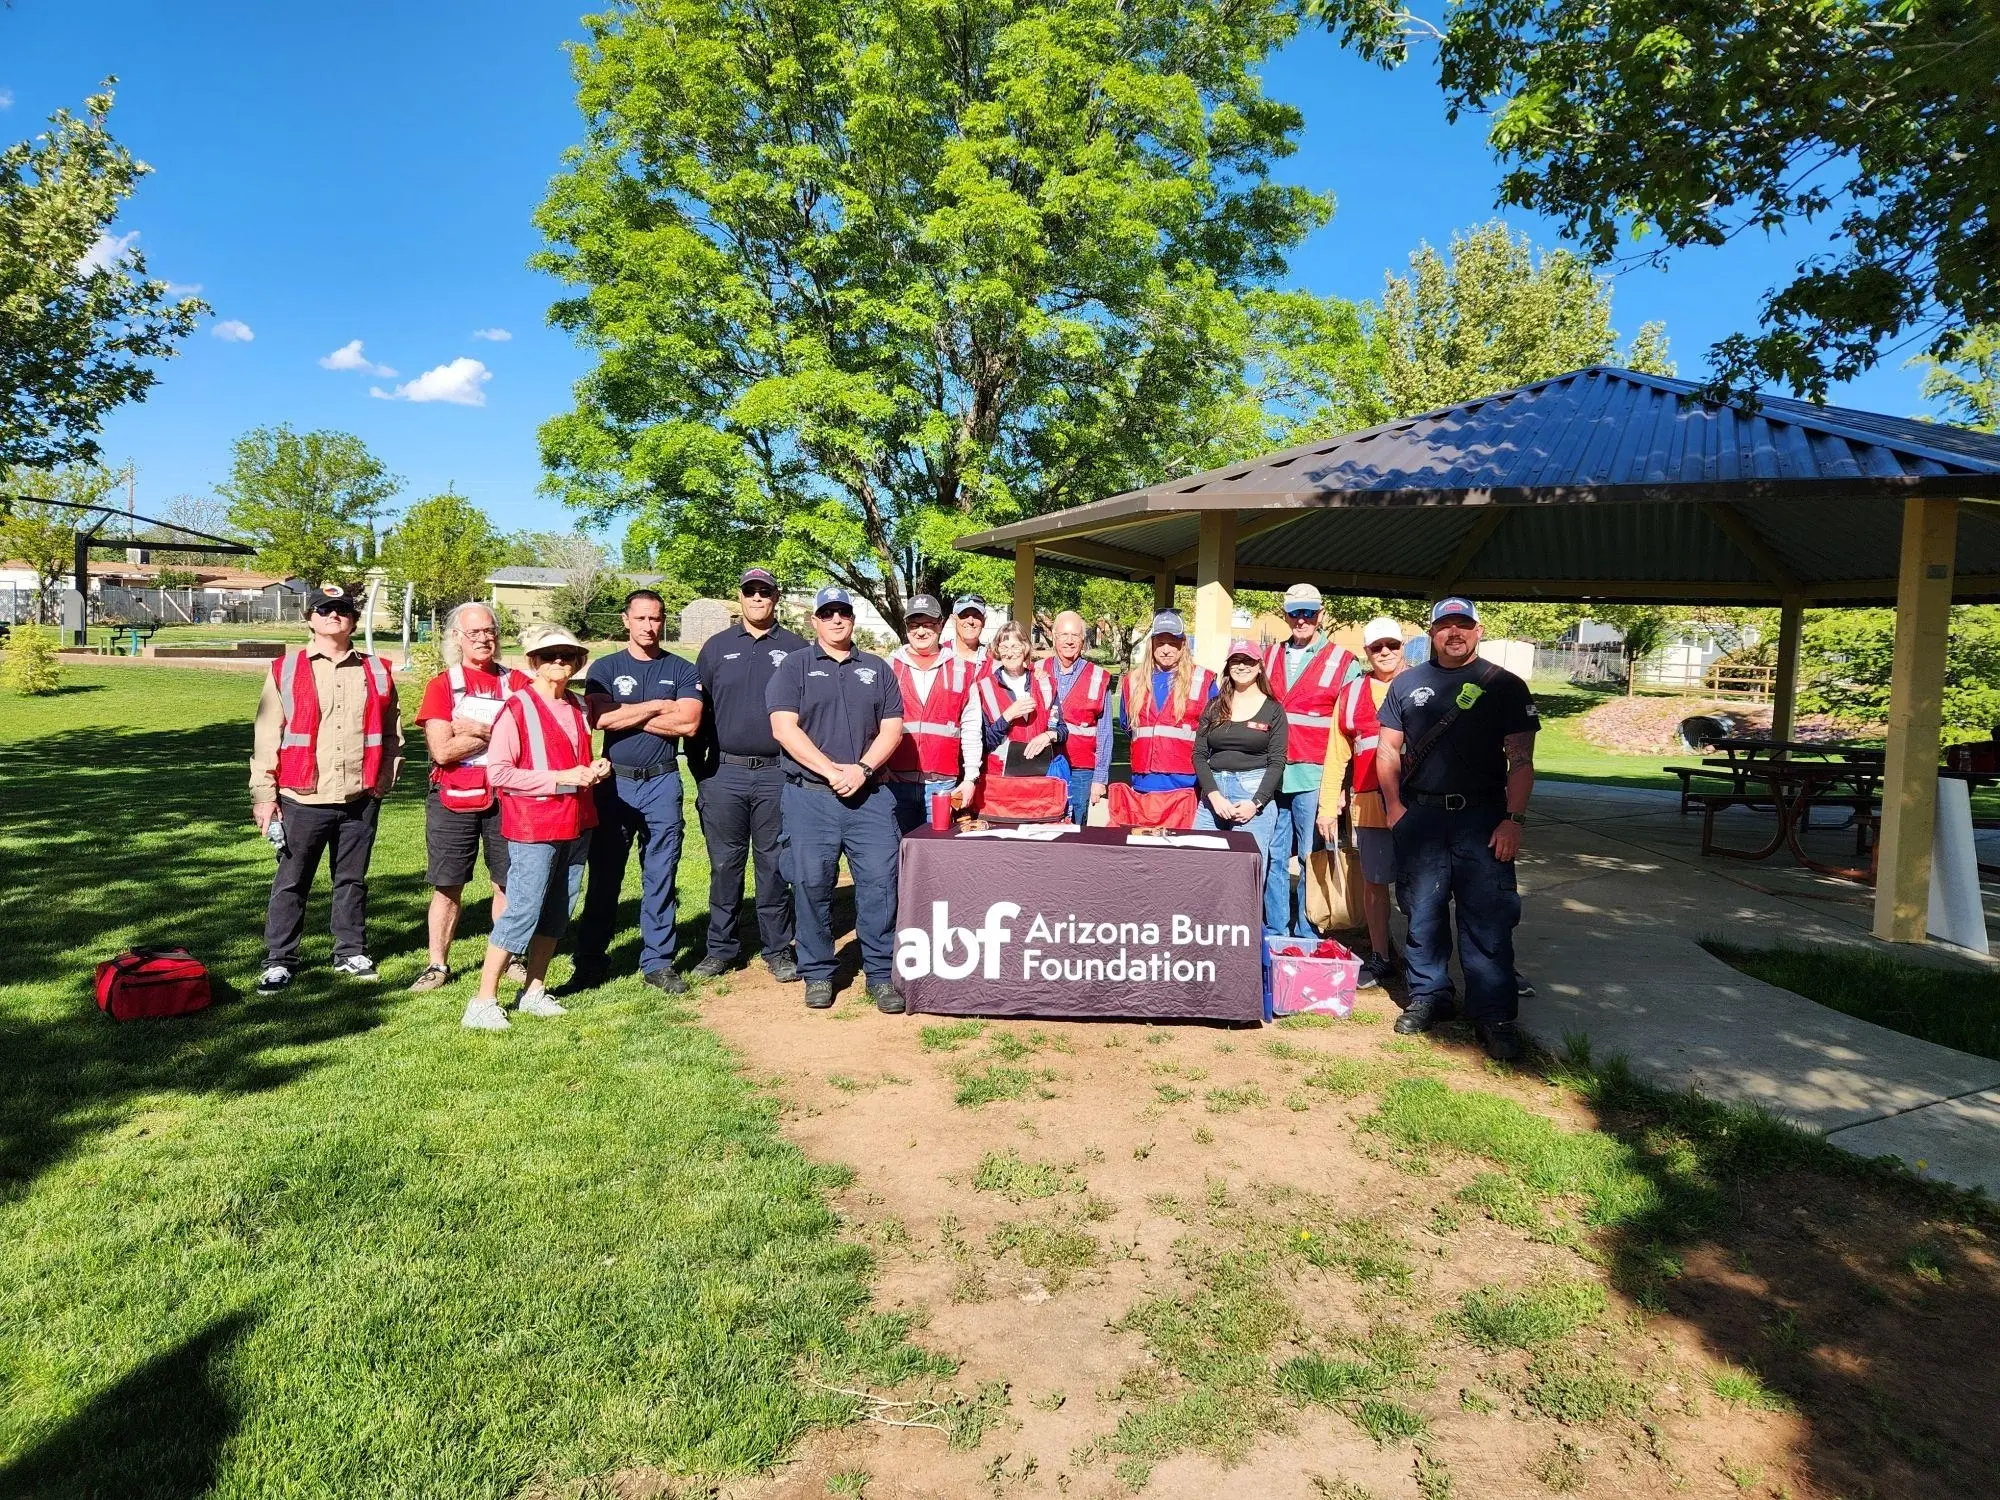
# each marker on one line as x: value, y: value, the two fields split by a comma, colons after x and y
x: 368, y: 171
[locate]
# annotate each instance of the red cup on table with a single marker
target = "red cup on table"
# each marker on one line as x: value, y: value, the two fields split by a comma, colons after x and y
x: 941, y: 811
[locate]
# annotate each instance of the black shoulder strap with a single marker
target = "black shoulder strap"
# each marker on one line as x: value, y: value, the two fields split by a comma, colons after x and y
x: 1488, y: 671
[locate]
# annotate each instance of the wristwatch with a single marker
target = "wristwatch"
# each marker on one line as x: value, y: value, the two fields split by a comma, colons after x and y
x: 866, y: 768
x: 1520, y: 817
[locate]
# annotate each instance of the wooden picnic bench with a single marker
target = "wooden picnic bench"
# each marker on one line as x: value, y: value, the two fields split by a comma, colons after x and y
x: 1737, y: 788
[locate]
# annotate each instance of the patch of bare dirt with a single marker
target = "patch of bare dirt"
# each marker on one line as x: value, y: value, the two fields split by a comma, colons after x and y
x: 1650, y: 725
x: 1153, y: 1147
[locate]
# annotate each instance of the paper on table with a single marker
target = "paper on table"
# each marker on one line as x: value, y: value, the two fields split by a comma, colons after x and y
x: 1037, y: 833
x: 1180, y: 840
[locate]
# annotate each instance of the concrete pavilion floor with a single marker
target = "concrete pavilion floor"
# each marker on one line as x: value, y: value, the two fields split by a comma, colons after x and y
x: 1615, y: 896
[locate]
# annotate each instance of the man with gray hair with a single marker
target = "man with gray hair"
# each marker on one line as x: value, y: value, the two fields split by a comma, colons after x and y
x: 1083, y: 689
x: 461, y: 814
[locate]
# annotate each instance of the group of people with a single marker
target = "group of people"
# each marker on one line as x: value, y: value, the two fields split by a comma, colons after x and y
x: 807, y: 752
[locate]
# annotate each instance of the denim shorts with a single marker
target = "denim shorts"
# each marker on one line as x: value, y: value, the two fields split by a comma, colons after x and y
x: 543, y: 882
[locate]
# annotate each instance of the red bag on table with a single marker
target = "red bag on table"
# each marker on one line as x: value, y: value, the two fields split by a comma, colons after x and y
x: 1130, y: 809
x: 1022, y: 799
x: 150, y: 983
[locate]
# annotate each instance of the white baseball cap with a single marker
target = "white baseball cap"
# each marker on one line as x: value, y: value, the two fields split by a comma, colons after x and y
x: 1304, y: 598
x: 1381, y: 628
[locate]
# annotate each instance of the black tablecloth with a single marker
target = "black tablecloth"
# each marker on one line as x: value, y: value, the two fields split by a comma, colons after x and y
x: 1086, y: 924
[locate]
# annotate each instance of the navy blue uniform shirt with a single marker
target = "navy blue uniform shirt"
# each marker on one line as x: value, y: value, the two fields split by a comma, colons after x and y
x: 735, y: 668
x: 840, y: 704
x: 1468, y: 758
x: 626, y: 679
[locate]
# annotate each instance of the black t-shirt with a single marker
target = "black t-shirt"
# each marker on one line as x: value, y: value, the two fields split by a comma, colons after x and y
x: 735, y: 668
x: 840, y: 704
x: 1469, y: 758
x: 625, y: 679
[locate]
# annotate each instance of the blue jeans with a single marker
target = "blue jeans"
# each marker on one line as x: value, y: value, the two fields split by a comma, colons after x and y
x: 1079, y: 796
x: 913, y: 801
x: 1296, y: 831
x: 819, y: 828
x: 543, y: 881
x: 646, y: 813
x: 1443, y: 857
x: 1241, y: 786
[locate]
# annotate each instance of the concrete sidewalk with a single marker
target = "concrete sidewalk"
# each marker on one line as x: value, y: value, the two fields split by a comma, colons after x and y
x: 1615, y: 898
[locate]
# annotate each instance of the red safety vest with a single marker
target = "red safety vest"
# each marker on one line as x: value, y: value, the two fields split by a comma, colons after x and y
x: 298, y: 699
x: 462, y: 786
x: 1160, y: 743
x: 1309, y: 702
x: 1023, y: 730
x: 930, y: 725
x: 1363, y: 729
x: 977, y: 669
x: 1082, y: 708
x: 554, y: 737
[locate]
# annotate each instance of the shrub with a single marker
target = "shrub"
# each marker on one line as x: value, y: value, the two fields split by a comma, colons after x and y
x: 31, y: 665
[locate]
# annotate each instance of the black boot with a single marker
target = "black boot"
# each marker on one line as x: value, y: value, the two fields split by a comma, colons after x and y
x: 1423, y: 1012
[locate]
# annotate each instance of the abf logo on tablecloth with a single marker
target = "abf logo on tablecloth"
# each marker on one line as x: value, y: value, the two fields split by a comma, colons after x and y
x: 954, y: 952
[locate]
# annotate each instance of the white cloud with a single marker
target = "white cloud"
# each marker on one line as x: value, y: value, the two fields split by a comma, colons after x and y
x: 230, y: 331
x: 492, y: 335
x: 458, y: 382
x: 349, y: 357
x: 106, y: 252
x: 179, y: 289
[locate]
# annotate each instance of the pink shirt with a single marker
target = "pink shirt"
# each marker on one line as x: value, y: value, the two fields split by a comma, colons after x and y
x: 503, y: 756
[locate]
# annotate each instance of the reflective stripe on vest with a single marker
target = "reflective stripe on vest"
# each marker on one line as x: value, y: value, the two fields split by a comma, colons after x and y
x: 930, y: 746
x: 1163, y: 731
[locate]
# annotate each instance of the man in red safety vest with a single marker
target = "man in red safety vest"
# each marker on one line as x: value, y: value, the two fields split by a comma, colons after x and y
x: 940, y: 748
x: 461, y: 815
x: 326, y: 749
x: 1307, y: 672
x: 1082, y: 689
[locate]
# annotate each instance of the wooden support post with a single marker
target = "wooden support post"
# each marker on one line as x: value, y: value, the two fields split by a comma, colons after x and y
x: 1214, y: 588
x: 1785, y: 691
x: 1163, y: 591
x: 1024, y: 589
x: 1916, y: 703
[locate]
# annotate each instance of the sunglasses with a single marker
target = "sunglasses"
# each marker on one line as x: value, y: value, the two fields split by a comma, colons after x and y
x: 835, y: 612
x: 1385, y: 646
x: 337, y: 609
x: 757, y: 591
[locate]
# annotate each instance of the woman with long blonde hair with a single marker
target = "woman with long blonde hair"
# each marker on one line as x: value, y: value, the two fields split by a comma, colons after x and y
x: 1159, y: 709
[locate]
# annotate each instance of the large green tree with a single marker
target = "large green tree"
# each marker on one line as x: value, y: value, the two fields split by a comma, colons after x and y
x: 859, y: 278
x: 442, y: 548
x: 1491, y: 314
x: 1967, y: 383
x: 1653, y: 126
x: 79, y: 317
x: 309, y: 501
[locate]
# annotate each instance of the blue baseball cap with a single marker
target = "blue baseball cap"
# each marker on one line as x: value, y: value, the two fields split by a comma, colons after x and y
x: 830, y: 596
x: 970, y: 604
x: 1445, y: 608
x: 1167, y: 622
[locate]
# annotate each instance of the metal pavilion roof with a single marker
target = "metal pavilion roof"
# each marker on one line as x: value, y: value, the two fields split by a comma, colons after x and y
x: 1599, y: 484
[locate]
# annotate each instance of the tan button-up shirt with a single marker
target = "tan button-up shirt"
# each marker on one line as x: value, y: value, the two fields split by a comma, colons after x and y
x: 339, y: 748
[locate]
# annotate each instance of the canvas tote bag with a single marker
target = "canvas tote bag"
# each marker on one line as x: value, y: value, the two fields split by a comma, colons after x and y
x: 1333, y: 890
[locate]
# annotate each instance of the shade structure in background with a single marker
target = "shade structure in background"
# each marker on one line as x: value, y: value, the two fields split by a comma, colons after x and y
x: 1600, y: 485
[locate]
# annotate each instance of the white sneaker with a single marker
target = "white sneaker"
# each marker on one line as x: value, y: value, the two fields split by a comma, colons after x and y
x: 536, y: 1002
x: 274, y: 979
x: 356, y: 966
x: 485, y: 1015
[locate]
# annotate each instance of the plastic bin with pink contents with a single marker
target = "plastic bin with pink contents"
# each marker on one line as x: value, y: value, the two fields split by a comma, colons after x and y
x: 1308, y: 976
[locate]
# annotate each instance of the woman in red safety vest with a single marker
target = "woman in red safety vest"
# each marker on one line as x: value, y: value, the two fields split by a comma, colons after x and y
x: 1350, y: 782
x: 1161, y: 709
x: 1017, y: 709
x: 540, y: 764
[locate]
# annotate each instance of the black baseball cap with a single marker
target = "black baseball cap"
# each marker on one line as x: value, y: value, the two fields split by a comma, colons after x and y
x: 756, y: 575
x: 924, y: 606
x: 332, y: 599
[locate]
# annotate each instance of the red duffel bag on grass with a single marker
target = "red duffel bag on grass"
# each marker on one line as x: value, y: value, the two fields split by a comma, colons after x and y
x: 152, y: 982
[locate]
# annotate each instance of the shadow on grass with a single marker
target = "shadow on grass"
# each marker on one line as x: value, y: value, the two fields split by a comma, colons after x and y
x: 1833, y: 1280
x: 158, y: 1434
x: 142, y: 839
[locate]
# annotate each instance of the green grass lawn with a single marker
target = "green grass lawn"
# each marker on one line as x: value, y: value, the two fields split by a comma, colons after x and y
x: 1952, y: 1007
x: 327, y: 1243
x: 1563, y: 754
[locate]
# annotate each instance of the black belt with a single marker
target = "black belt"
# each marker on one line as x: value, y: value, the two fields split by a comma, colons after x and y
x: 754, y: 762
x: 1456, y: 801
x: 813, y: 786
x: 643, y: 773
